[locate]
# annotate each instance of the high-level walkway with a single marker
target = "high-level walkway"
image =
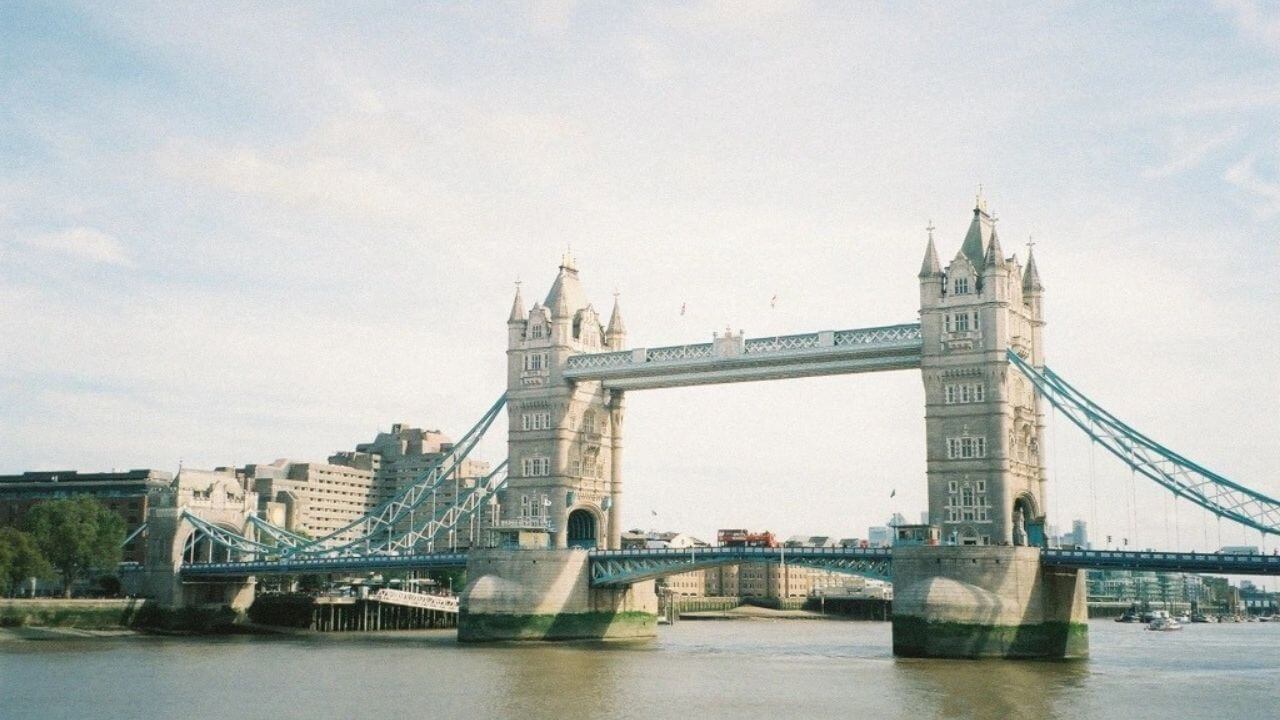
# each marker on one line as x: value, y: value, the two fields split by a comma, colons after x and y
x: 732, y: 358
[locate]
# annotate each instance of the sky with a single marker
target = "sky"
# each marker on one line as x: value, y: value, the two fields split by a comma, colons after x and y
x: 231, y: 233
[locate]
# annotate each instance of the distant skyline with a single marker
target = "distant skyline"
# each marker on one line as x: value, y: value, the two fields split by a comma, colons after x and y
x: 236, y: 232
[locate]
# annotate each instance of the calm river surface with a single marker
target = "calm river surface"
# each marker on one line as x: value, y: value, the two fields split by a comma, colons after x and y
x: 700, y: 670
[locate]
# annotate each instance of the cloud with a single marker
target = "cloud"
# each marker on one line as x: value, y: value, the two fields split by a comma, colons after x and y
x: 1255, y: 20
x: 1244, y: 175
x: 85, y: 244
x: 1190, y: 153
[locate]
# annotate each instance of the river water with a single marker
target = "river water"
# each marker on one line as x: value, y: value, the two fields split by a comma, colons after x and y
x: 699, y: 670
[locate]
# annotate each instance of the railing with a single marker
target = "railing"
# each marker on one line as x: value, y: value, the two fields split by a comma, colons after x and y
x: 783, y: 343
x: 889, y: 336
x: 442, y: 603
x: 677, y: 353
x: 525, y: 523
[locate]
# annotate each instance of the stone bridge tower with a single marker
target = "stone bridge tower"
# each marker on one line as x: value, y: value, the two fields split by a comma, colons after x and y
x: 217, y: 497
x: 565, y: 439
x: 983, y: 421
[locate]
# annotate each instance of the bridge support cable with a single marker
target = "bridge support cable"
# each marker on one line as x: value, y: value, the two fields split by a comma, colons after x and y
x: 282, y: 537
x: 1176, y: 473
x: 134, y: 535
x: 384, y: 528
x: 464, y: 506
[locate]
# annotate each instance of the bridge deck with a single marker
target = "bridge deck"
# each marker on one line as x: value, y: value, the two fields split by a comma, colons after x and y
x: 621, y: 567
x: 351, y: 563
x: 1155, y: 560
x: 893, y: 347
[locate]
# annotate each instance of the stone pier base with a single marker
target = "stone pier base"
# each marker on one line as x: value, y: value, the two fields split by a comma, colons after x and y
x: 985, y: 601
x: 529, y: 594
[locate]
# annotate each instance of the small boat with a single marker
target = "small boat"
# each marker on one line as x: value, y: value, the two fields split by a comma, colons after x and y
x: 1267, y: 618
x: 1183, y: 618
x: 1164, y: 624
x: 1202, y: 618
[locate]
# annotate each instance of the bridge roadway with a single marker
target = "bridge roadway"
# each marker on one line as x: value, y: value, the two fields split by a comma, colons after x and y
x: 734, y: 359
x: 622, y: 567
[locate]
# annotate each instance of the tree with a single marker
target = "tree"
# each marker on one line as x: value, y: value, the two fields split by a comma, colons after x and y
x: 76, y: 534
x: 20, y: 559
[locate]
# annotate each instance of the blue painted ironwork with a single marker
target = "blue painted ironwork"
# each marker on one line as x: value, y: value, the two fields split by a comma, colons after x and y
x: 142, y: 529
x: 393, y: 526
x: 1153, y: 560
x: 1176, y: 473
x: 221, y: 537
x: 337, y: 563
x: 613, y: 568
x: 282, y: 538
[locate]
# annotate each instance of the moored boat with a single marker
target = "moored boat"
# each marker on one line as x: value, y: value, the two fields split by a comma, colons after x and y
x: 1164, y: 624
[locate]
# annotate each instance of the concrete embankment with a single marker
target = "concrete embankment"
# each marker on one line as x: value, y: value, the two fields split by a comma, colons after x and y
x: 35, y: 616
x: 70, y: 613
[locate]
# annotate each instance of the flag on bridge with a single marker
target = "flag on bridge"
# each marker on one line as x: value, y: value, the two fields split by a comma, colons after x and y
x: 894, y: 492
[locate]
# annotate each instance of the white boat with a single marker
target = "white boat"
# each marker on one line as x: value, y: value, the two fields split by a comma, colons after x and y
x: 1164, y: 624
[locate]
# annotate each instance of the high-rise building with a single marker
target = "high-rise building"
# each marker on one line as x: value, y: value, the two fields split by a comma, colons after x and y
x: 1080, y: 534
x: 318, y: 499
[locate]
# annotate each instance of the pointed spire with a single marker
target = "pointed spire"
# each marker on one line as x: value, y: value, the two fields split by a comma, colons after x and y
x: 517, y: 307
x: 615, y: 319
x: 1031, y: 276
x: 975, y: 241
x: 560, y: 306
x: 930, y: 267
x: 995, y: 255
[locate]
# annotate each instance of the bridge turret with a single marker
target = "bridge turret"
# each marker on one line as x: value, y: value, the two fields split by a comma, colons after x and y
x: 517, y: 321
x: 1033, y: 299
x: 931, y: 277
x: 616, y: 335
x: 983, y: 423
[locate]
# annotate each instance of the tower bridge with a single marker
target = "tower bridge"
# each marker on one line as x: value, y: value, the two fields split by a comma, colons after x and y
x: 990, y: 589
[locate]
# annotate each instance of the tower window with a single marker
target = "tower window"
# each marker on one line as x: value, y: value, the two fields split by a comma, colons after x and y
x: 536, y: 466
x: 535, y: 362
x: 961, y: 286
x: 966, y: 447
x: 535, y: 331
x: 535, y: 421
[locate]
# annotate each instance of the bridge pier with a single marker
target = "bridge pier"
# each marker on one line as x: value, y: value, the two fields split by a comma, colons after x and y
x: 528, y: 594
x: 986, y: 601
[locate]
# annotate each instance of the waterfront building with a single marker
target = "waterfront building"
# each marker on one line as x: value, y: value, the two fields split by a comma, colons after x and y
x: 126, y: 493
x: 1257, y: 601
x: 400, y: 457
x: 317, y: 499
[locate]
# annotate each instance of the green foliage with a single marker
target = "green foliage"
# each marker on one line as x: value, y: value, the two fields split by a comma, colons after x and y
x: 20, y: 559
x: 76, y: 534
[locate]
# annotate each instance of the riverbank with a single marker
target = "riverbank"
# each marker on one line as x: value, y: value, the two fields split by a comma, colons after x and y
x: 27, y: 634
x: 754, y: 612
x: 96, y: 614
